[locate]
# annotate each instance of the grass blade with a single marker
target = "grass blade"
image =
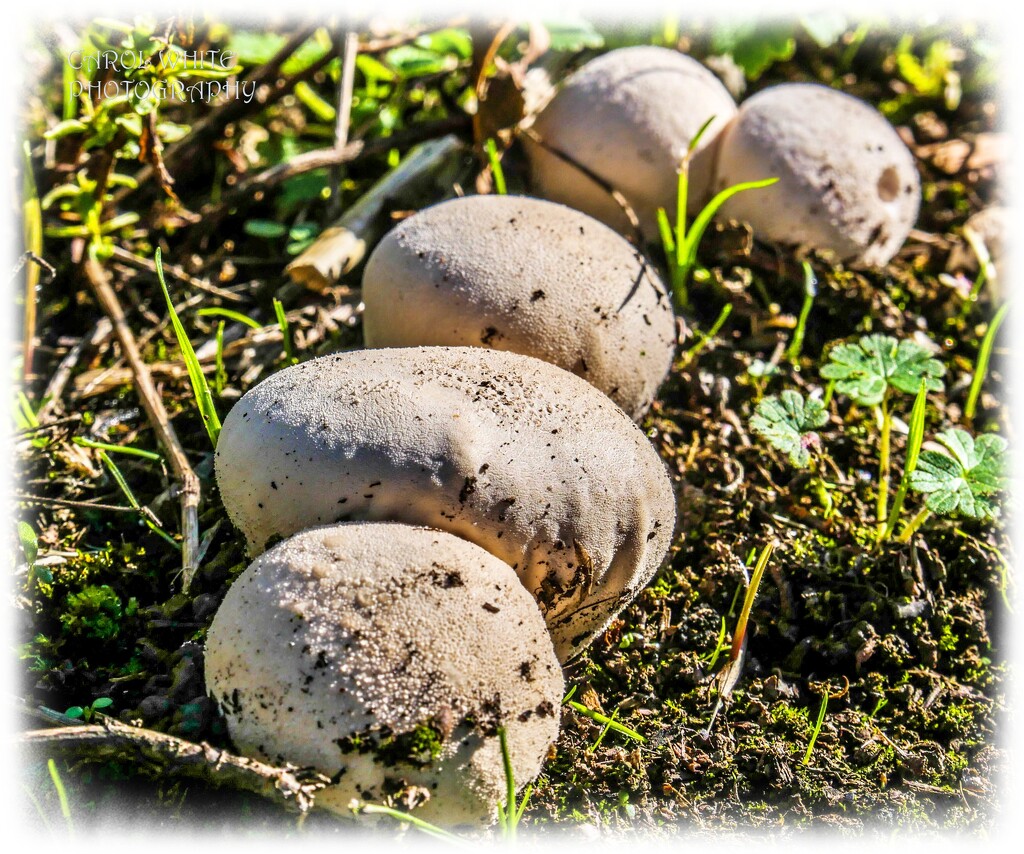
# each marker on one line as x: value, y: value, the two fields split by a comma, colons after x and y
x: 282, y: 321
x: 62, y: 795
x: 604, y: 719
x: 117, y: 449
x: 703, y: 219
x: 200, y: 388
x: 981, y: 365
x: 32, y: 224
x: 711, y: 333
x: 496, y: 170
x: 415, y: 821
x: 810, y: 292
x: 237, y: 316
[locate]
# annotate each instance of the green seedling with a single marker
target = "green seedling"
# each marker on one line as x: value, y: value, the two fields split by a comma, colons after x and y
x: 867, y: 371
x: 817, y: 728
x: 704, y: 337
x: 825, y: 697
x: 981, y: 365
x: 726, y: 678
x: 597, y: 717
x: 810, y: 292
x: 282, y: 322
x: 87, y: 713
x: 200, y: 388
x: 237, y: 316
x: 914, y: 441
x: 986, y: 268
x: 720, y: 647
x: 147, y: 515
x: 220, y: 374
x: 62, y: 795
x: 681, y: 242
x: 495, y: 161
x: 509, y: 813
x: 32, y: 233
x: 963, y: 481
x: 424, y: 826
x: 788, y: 423
x: 30, y: 548
x: 117, y: 449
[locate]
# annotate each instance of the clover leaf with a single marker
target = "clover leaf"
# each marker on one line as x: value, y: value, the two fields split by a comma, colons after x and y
x: 965, y: 479
x: 788, y: 422
x: 866, y: 369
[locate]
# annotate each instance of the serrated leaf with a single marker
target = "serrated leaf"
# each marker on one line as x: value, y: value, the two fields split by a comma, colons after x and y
x: 865, y: 370
x: 755, y: 47
x: 788, y: 422
x: 964, y: 479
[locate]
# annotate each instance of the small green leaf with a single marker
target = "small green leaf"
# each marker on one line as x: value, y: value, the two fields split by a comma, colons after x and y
x: 29, y: 543
x: 825, y: 26
x: 264, y: 228
x: 102, y: 703
x: 964, y: 479
x: 788, y: 423
x: 74, y: 712
x: 573, y: 35
x: 755, y: 47
x: 866, y: 369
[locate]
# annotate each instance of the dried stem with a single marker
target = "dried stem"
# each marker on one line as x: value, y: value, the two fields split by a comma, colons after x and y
x: 255, y: 188
x: 289, y: 786
x: 188, y: 482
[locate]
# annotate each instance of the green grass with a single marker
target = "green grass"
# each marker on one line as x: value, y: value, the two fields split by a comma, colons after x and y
x: 200, y: 388
x: 495, y: 161
x: 981, y: 365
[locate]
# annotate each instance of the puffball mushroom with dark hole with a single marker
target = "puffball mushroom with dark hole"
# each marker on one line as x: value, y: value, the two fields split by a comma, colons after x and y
x: 847, y: 182
x: 628, y: 117
x: 528, y: 276
x: 387, y: 656
x: 524, y: 459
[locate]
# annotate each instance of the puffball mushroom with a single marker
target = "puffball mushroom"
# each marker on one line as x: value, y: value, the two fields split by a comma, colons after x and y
x: 387, y: 656
x: 528, y: 276
x: 524, y: 459
x: 628, y: 117
x: 847, y: 182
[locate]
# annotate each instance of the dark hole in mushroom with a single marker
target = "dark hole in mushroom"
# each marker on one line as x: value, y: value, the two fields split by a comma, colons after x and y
x: 889, y: 184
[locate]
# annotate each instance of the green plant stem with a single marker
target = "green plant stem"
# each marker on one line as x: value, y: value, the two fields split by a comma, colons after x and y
x: 810, y: 292
x: 282, y: 322
x: 914, y: 441
x: 415, y: 821
x: 62, y: 795
x: 495, y: 162
x: 883, y: 463
x: 217, y: 311
x: 220, y: 375
x: 117, y: 449
x: 981, y: 365
x: 817, y: 728
x: 133, y: 501
x: 604, y: 719
x: 748, y: 602
x: 510, y: 786
x: 914, y: 524
x: 711, y: 333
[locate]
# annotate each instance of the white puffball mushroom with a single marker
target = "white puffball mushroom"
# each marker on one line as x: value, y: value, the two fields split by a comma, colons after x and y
x: 386, y: 656
x: 524, y: 459
x: 847, y: 182
x: 628, y: 117
x: 528, y: 276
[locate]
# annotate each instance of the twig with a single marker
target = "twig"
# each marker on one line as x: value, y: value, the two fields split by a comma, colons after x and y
x: 347, y: 84
x: 178, y: 273
x: 55, y: 387
x: 343, y: 245
x: 255, y: 187
x: 189, y: 489
x: 289, y: 786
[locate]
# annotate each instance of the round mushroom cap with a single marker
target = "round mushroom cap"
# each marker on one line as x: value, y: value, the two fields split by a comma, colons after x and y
x: 847, y: 182
x: 528, y: 276
x: 628, y: 117
x: 524, y: 459
x: 384, y: 655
